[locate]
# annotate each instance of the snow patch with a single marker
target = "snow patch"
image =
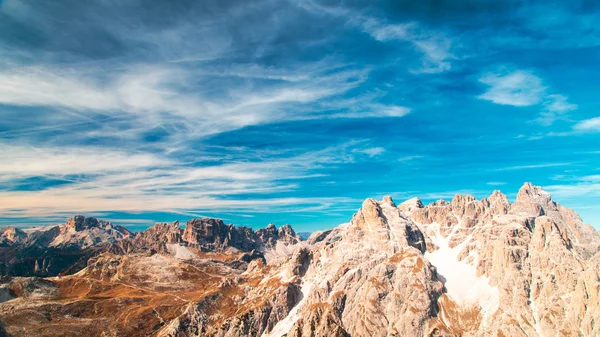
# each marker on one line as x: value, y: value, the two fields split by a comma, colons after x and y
x: 285, y: 277
x: 462, y: 283
x: 281, y: 251
x: 283, y: 327
x: 535, y: 313
x: 180, y: 252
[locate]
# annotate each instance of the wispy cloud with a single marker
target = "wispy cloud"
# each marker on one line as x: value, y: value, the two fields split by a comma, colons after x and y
x: 517, y: 88
x: 521, y: 88
x: 410, y: 158
x: 372, y: 151
x: 117, y: 182
x: 27, y: 161
x: 588, y: 125
x: 533, y: 166
x: 435, y: 47
x: 555, y: 107
x: 159, y: 94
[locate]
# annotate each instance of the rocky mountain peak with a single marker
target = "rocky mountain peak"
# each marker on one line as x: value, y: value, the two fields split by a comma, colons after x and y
x: 156, y: 237
x: 498, y: 203
x: 388, y: 201
x: 80, y: 222
x: 411, y: 205
x: 287, y: 235
x: 530, y: 192
x: 382, y: 224
x: 270, y: 236
x: 11, y: 235
x: 534, y: 201
x: 369, y: 216
x: 214, y: 235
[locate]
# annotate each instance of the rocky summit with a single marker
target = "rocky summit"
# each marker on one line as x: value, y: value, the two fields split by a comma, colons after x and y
x: 464, y: 267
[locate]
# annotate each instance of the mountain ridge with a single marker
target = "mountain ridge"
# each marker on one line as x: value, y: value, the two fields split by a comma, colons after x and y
x: 464, y: 267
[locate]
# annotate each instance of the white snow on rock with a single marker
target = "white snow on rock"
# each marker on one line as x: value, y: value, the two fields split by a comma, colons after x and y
x: 285, y: 325
x: 462, y: 283
x: 180, y: 252
x: 281, y: 251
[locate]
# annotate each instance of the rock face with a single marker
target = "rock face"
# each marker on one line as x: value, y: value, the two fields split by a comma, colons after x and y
x: 213, y: 235
x: 157, y: 237
x: 270, y: 236
x: 464, y: 267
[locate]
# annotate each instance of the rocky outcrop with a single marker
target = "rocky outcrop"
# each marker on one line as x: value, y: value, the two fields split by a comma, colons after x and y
x: 213, y: 235
x: 270, y: 236
x: 157, y: 237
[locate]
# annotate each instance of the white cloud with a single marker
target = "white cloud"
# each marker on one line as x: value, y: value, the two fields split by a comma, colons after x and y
x: 587, y: 189
x: 558, y: 104
x: 161, y: 94
x: 372, y: 151
x: 28, y: 161
x: 588, y: 125
x: 435, y: 48
x: 372, y: 110
x: 129, y: 182
x: 34, y: 86
x: 393, y: 111
x: 533, y: 166
x: 555, y: 108
x: 410, y: 158
x: 523, y: 89
x: 518, y: 88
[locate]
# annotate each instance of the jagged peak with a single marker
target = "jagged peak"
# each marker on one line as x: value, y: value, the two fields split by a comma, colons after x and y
x: 161, y: 225
x: 370, y: 201
x: 388, y: 201
x: 497, y: 195
x: 533, y: 200
x: 11, y: 229
x: 286, y: 228
x: 12, y: 234
x: 460, y: 198
x: 528, y: 190
x: 81, y: 222
x: 440, y: 203
x: 411, y: 205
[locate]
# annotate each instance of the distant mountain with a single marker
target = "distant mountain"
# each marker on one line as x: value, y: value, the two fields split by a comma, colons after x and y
x: 49, y: 251
x: 464, y: 267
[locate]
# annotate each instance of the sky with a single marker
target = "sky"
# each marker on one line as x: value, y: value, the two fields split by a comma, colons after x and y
x: 292, y: 111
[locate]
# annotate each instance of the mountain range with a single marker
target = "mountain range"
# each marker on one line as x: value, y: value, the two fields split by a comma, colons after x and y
x: 464, y: 267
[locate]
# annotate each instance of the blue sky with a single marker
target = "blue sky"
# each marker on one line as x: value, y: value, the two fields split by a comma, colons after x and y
x: 292, y: 111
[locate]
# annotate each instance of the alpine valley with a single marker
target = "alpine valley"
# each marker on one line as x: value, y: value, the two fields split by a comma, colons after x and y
x: 466, y: 267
